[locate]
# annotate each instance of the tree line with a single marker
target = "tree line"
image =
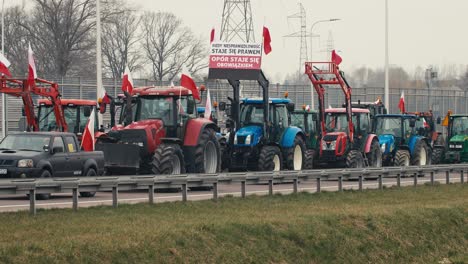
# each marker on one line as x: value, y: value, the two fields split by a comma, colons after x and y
x: 62, y: 34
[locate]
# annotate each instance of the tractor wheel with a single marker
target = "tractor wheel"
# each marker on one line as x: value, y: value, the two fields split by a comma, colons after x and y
x: 375, y: 155
x: 295, y: 156
x: 354, y: 159
x: 90, y: 173
x: 270, y: 159
x: 168, y: 159
x: 402, y: 158
x: 309, y: 159
x: 439, y: 151
x: 207, y: 153
x: 421, y: 156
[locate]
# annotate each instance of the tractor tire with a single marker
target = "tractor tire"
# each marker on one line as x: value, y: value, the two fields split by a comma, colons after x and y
x: 439, y: 152
x: 421, y: 156
x: 90, y: 173
x: 309, y: 159
x: 168, y: 159
x: 375, y: 155
x: 295, y: 156
x: 354, y: 159
x: 270, y: 159
x: 402, y: 158
x: 207, y: 153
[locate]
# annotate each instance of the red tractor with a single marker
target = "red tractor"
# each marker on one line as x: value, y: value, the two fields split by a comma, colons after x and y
x: 159, y: 132
x: 345, y: 136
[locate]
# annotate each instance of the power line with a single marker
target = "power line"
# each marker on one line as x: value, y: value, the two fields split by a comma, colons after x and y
x: 302, y: 34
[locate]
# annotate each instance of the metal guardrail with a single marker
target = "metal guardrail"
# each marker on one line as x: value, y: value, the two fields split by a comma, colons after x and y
x: 184, y: 182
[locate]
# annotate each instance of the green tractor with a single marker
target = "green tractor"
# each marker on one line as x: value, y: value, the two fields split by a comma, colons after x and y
x: 456, y: 148
x: 307, y: 120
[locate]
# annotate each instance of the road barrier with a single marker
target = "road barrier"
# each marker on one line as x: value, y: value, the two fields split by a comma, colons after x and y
x: 115, y: 184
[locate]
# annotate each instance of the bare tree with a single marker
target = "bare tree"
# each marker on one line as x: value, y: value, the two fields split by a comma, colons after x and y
x: 16, y: 38
x: 120, y: 39
x: 168, y: 46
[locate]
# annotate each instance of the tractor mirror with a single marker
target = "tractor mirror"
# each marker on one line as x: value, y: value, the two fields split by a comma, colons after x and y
x: 222, y: 106
x: 290, y: 107
x: 412, y: 122
x: 190, y: 106
x: 23, y: 113
x: 314, y: 117
x: 87, y: 110
x: 439, y: 120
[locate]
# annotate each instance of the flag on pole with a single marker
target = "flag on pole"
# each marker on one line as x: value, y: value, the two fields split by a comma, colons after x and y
x: 266, y: 40
x: 87, y: 141
x: 4, y: 64
x: 187, y: 82
x: 32, y: 74
x: 127, y: 81
x: 336, y: 58
x: 212, y: 35
x: 401, y: 104
x: 208, y: 105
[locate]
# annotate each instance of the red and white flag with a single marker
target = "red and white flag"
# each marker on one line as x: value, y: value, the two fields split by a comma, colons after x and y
x: 336, y: 58
x: 401, y: 104
x: 266, y: 40
x: 187, y: 82
x: 127, y: 81
x: 212, y: 35
x: 208, y: 106
x: 32, y: 74
x: 4, y: 64
x: 425, y: 124
x: 87, y: 141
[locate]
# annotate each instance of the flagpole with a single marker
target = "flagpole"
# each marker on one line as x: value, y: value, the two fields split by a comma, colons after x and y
x: 98, y: 57
x: 4, y: 115
x: 386, y: 89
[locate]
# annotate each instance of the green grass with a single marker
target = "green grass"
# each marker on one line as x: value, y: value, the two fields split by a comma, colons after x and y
x: 411, y: 225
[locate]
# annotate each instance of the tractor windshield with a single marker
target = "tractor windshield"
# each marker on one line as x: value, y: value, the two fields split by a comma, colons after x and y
x: 297, y: 119
x: 159, y: 107
x: 388, y: 126
x: 337, y: 122
x: 459, y: 126
x: 252, y: 114
x: 74, y: 116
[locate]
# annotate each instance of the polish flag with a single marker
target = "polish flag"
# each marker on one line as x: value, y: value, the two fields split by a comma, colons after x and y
x: 87, y: 141
x: 401, y: 104
x: 127, y: 82
x: 266, y: 40
x: 4, y: 64
x: 212, y: 35
x: 425, y: 124
x: 187, y: 82
x: 32, y: 74
x: 208, y: 105
x: 336, y: 58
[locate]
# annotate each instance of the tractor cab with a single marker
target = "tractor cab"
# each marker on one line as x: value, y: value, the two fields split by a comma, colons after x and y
x: 76, y: 113
x: 307, y: 120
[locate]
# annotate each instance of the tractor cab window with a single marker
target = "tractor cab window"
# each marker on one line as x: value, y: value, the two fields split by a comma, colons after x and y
x: 252, y: 114
x: 459, y: 126
x: 152, y: 107
x: 297, y: 119
x: 337, y: 122
x: 389, y: 126
x: 364, y: 123
x: 46, y: 118
x: 281, y: 116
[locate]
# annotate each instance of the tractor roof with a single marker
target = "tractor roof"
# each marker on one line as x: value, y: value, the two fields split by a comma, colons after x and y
x: 459, y: 115
x: 161, y: 90
x: 260, y: 100
x: 343, y: 110
x: 397, y: 116
x: 68, y: 102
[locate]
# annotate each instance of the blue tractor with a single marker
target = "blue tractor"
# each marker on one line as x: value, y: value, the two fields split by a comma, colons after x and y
x: 403, y: 140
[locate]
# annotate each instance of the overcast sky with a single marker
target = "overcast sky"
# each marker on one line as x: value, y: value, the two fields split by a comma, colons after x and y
x: 422, y: 32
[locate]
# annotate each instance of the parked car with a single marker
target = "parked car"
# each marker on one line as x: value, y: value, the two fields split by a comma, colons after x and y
x: 46, y: 155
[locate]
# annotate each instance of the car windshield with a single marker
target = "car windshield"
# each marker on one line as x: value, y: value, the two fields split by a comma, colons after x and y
x: 388, y: 126
x: 25, y: 142
x: 460, y: 126
x: 336, y: 122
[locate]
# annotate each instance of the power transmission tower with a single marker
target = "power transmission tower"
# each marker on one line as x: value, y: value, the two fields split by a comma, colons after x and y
x: 302, y: 34
x: 237, y: 24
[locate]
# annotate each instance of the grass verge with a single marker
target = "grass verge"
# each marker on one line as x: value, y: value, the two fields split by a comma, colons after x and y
x: 410, y: 225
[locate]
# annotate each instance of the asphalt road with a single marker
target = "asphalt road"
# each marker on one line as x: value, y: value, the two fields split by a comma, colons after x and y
x: 21, y: 202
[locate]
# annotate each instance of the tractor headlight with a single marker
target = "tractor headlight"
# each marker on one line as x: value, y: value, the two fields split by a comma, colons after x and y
x: 383, y: 147
x: 235, y: 140
x: 330, y: 146
x: 324, y: 144
x: 25, y: 163
x: 248, y: 139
